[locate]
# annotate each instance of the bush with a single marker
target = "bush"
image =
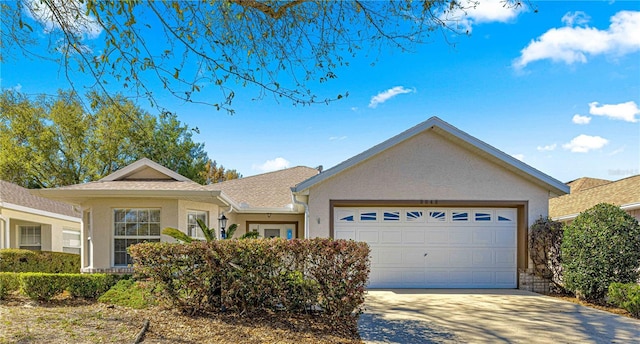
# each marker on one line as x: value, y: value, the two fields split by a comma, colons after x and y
x: 246, y: 276
x: 626, y: 296
x: 41, y: 286
x: 88, y: 286
x: 17, y: 260
x: 545, y: 241
x: 9, y: 282
x: 600, y: 247
x: 129, y: 293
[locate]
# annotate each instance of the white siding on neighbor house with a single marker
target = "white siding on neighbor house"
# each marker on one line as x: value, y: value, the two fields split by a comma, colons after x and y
x: 424, y: 167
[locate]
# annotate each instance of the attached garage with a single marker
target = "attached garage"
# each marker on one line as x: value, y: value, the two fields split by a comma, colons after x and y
x: 435, y: 247
x: 438, y: 207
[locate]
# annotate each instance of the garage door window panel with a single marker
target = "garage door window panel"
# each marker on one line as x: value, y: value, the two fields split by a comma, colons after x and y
x: 370, y: 216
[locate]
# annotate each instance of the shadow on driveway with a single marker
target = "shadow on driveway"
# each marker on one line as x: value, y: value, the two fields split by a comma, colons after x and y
x: 374, y: 328
x: 487, y: 316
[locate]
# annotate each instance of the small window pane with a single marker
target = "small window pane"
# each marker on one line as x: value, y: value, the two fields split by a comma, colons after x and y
x: 482, y: 217
x: 460, y: 216
x: 413, y: 216
x: 370, y: 216
x: 154, y: 229
x: 391, y: 216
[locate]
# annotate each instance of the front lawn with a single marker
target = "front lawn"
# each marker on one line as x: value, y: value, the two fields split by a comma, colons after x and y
x: 64, y: 320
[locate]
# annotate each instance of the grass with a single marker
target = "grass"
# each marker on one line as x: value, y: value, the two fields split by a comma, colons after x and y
x: 128, y: 293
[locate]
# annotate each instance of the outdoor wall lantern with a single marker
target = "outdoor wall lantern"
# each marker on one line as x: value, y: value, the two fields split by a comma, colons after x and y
x: 223, y: 224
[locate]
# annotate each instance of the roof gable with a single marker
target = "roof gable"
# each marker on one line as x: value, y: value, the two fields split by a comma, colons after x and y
x: 144, y: 169
x: 585, y: 183
x: 457, y: 136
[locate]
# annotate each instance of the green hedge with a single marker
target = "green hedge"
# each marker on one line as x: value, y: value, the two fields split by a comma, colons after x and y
x: 245, y: 276
x: 9, y: 282
x: 44, y: 286
x: 601, y: 246
x: 17, y: 260
x: 627, y: 296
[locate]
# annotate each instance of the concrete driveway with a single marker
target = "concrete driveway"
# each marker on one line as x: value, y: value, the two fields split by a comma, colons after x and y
x: 487, y: 316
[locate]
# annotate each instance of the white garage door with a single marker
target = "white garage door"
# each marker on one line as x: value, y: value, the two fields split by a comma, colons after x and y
x: 434, y: 247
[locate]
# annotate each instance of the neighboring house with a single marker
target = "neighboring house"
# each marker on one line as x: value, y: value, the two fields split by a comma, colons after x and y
x: 439, y: 208
x: 36, y: 223
x: 587, y: 192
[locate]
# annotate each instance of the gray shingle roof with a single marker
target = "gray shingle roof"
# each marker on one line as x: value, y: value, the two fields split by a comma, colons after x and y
x: 621, y: 192
x: 15, y: 194
x: 268, y: 190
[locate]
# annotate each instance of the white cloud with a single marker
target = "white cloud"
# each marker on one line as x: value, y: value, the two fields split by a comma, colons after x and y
x: 623, y: 111
x: 388, y: 94
x: 72, y: 12
x: 518, y: 156
x: 547, y: 148
x: 337, y: 138
x: 584, y: 143
x: 577, y: 18
x: 617, y: 151
x: 571, y: 44
x: 272, y: 165
x: 485, y: 11
x: 577, y: 119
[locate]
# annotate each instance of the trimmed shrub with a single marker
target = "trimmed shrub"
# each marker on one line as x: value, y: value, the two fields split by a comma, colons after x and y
x: 545, y: 242
x: 42, y: 286
x: 129, y: 293
x: 17, y: 260
x: 88, y: 286
x: 626, y: 296
x: 245, y: 276
x: 600, y: 247
x: 9, y: 283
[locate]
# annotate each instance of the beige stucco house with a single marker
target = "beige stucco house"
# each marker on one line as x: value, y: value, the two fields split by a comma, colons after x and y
x: 439, y: 208
x: 587, y: 192
x: 37, y: 223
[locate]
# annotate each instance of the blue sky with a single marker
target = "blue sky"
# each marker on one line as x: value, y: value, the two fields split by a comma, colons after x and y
x: 558, y: 89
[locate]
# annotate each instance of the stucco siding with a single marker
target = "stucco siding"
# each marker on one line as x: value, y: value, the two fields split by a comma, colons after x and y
x: 51, y: 228
x: 425, y: 167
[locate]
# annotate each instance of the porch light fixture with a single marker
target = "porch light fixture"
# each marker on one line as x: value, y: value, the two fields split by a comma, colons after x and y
x: 223, y: 224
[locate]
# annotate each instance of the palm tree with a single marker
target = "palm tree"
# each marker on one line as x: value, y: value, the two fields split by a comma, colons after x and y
x: 209, y: 233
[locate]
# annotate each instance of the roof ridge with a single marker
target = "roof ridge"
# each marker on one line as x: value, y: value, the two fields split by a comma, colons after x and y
x: 265, y: 173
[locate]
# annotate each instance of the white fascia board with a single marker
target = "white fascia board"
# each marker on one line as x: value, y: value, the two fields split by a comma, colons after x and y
x: 144, y: 162
x: 554, y: 185
x: 39, y: 212
x: 286, y: 210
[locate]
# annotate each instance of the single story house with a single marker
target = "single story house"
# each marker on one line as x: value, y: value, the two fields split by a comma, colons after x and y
x: 439, y: 208
x: 36, y: 223
x: 587, y: 192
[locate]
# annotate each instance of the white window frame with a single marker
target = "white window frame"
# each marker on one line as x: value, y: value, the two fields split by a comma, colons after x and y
x: 71, y: 245
x: 23, y: 244
x: 192, y: 226
x: 125, y: 232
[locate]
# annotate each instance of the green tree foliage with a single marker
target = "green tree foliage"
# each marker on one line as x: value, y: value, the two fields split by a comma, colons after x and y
x: 214, y: 174
x: 191, y: 48
x: 600, y: 247
x: 208, y: 232
x: 48, y: 142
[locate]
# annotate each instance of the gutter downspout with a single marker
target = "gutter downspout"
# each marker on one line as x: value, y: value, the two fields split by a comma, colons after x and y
x: 306, y: 214
x: 4, y: 232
